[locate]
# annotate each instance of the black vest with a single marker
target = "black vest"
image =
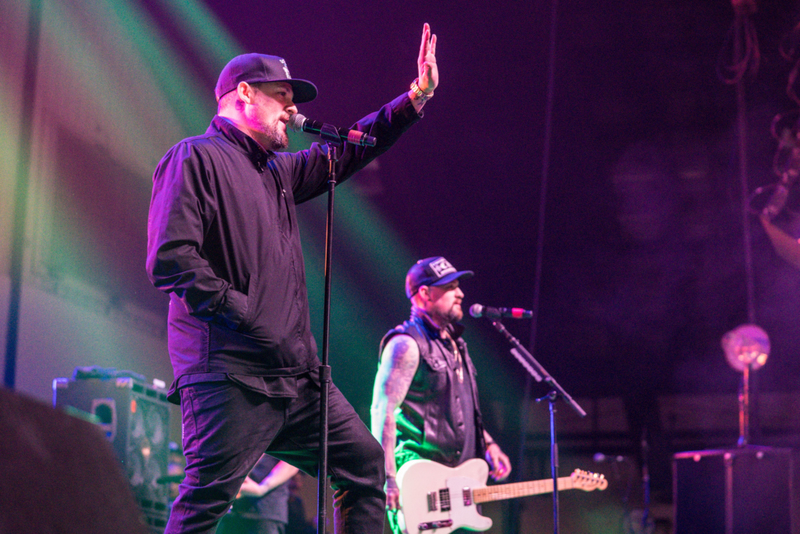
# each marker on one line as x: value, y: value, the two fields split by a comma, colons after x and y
x: 430, y: 424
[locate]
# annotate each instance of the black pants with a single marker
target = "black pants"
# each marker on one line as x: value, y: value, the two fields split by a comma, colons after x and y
x: 226, y: 428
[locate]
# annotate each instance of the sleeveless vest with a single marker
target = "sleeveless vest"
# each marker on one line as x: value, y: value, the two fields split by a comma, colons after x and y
x: 430, y: 422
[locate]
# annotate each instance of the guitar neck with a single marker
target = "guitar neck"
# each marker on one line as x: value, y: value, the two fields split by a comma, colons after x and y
x: 519, y: 489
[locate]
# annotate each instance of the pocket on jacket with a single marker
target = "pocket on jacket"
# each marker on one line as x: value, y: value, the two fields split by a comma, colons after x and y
x: 252, y: 289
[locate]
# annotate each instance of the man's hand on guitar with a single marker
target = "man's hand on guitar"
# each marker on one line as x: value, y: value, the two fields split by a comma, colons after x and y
x: 498, y: 461
x: 392, y: 494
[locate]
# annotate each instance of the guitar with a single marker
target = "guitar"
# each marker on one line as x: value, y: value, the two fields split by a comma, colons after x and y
x: 441, y: 499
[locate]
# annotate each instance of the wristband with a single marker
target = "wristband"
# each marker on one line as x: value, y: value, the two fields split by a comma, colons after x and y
x: 419, y: 93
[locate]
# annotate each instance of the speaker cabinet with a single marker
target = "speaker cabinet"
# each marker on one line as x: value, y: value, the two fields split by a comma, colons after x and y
x: 59, y: 474
x: 736, y: 491
x: 135, y: 419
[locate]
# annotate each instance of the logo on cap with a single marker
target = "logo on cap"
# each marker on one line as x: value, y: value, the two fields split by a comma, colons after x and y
x: 441, y: 267
x: 286, y: 68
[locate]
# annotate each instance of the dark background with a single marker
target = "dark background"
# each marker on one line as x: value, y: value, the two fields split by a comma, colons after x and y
x: 637, y: 196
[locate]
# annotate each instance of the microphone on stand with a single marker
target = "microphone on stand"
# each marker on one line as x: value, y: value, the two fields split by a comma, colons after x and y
x: 299, y: 123
x: 478, y: 310
x: 600, y: 458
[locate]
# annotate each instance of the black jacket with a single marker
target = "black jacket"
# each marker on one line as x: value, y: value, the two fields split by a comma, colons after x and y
x: 223, y: 242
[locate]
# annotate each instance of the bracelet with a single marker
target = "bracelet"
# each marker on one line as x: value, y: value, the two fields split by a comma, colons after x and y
x: 419, y: 93
x: 489, y: 444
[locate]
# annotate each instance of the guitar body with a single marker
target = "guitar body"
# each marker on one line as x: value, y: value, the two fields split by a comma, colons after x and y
x: 438, y: 500
x: 432, y: 494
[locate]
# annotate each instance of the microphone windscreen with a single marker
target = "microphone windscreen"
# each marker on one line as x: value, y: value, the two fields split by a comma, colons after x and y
x: 476, y: 310
x: 296, y: 122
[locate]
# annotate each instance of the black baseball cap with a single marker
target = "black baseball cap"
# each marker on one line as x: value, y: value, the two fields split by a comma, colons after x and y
x: 259, y: 68
x: 434, y: 271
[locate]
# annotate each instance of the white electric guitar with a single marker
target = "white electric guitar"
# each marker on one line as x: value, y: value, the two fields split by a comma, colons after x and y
x: 441, y: 499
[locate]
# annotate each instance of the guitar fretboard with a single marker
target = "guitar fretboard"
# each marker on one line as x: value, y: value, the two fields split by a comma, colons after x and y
x: 519, y: 489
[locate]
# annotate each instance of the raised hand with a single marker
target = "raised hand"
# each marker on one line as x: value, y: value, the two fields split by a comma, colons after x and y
x: 426, y: 63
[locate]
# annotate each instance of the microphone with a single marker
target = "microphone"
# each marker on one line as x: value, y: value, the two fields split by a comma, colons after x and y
x: 478, y: 310
x: 299, y: 123
x: 600, y: 458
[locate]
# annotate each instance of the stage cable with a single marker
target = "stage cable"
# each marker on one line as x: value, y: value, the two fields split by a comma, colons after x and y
x: 537, y: 282
x: 740, y: 56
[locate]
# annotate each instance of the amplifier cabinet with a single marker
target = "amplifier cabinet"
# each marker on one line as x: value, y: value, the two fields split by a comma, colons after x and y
x: 135, y: 419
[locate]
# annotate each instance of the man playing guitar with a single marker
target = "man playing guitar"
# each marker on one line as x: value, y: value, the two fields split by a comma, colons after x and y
x: 425, y: 399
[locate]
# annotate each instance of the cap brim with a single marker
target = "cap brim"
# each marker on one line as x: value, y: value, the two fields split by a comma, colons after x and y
x: 304, y: 91
x: 453, y: 276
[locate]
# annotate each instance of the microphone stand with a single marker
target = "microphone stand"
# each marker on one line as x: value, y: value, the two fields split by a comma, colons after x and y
x: 645, y: 482
x: 540, y: 374
x: 331, y: 135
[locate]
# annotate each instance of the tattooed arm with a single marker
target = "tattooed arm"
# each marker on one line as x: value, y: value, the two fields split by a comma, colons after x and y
x: 399, y: 362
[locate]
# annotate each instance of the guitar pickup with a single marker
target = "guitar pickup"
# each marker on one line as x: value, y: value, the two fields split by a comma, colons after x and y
x: 444, y: 498
x: 432, y: 501
x: 466, y: 494
x: 430, y: 525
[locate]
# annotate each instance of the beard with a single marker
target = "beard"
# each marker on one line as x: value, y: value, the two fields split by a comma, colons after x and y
x: 455, y: 314
x: 276, y: 138
x: 270, y: 134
